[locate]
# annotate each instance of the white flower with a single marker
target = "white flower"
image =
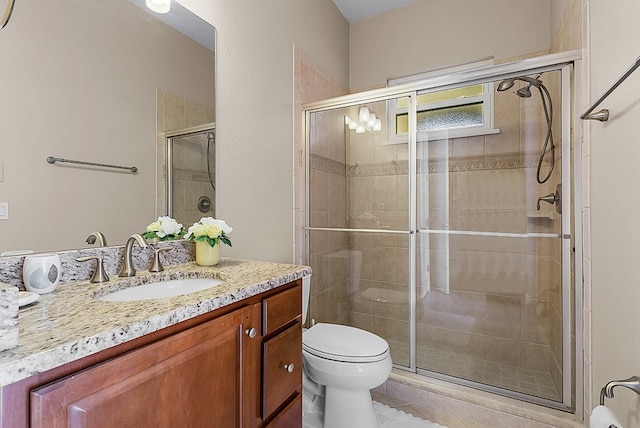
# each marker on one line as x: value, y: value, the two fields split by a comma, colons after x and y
x: 221, y: 224
x: 210, y: 230
x: 168, y: 226
x: 164, y: 229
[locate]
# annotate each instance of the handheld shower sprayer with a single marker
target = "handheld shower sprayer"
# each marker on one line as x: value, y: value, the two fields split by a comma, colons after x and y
x: 545, y: 97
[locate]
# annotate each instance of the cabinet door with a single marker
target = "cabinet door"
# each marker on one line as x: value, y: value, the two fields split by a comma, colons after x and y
x: 290, y: 416
x: 197, y: 378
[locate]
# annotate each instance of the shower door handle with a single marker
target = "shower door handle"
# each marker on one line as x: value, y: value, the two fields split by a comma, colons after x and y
x: 553, y: 199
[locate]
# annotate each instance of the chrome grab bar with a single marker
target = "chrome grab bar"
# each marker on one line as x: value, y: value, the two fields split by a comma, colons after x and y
x: 603, y: 115
x: 53, y: 160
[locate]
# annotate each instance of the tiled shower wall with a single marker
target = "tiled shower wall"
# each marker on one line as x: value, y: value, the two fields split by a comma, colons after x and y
x: 327, y: 167
x: 191, y: 179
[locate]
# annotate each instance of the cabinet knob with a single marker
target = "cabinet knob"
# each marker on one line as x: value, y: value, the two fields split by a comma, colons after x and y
x: 289, y: 367
x: 251, y: 332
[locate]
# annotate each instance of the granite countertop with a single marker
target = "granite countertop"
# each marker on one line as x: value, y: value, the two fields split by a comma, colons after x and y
x: 71, y: 323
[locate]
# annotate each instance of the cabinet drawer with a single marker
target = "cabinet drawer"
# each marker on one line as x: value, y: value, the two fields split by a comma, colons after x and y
x: 281, y: 309
x: 290, y: 416
x: 282, y: 368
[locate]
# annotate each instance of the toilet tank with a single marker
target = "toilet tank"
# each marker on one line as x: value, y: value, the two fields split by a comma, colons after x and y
x: 306, y: 288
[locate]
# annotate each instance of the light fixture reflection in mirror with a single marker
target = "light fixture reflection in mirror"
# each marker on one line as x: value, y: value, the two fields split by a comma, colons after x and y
x: 159, y: 6
x: 4, y: 19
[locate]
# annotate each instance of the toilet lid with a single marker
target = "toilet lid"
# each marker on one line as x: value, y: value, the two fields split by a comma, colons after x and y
x: 344, y: 343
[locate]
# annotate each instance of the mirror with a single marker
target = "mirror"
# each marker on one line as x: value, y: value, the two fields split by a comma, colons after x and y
x: 6, y: 14
x: 97, y: 82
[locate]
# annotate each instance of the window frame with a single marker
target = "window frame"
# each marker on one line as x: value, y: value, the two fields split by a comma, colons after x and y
x: 486, y: 99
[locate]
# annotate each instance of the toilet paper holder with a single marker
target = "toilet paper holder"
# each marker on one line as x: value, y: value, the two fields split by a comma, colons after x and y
x: 632, y: 383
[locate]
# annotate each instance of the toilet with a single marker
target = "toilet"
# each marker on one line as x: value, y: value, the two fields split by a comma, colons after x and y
x: 341, y: 364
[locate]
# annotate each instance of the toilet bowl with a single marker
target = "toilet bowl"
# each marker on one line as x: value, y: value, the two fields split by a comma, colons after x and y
x: 341, y: 364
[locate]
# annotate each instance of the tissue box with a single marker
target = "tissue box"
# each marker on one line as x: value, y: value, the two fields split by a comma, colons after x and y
x: 8, y: 316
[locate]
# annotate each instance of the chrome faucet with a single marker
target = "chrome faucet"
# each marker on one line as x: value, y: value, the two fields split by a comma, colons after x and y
x: 127, y: 268
x: 91, y: 239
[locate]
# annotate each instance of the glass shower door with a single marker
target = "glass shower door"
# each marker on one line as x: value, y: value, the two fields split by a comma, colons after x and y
x: 489, y: 253
x: 359, y: 236
x: 191, y: 174
x: 447, y: 229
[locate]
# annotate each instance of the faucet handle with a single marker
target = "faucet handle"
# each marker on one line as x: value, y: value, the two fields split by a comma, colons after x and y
x: 100, y: 275
x: 156, y: 266
x: 551, y: 198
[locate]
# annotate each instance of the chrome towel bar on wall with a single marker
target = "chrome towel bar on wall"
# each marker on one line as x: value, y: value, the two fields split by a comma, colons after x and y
x: 603, y: 115
x: 632, y: 383
x: 53, y: 160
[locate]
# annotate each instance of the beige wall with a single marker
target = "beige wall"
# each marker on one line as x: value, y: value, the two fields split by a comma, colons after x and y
x: 110, y: 104
x: 255, y: 68
x: 613, y: 205
x: 432, y: 34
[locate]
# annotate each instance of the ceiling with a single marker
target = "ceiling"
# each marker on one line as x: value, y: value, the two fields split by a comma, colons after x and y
x: 357, y: 10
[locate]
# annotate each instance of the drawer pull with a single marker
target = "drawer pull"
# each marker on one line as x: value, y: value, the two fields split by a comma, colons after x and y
x: 289, y: 367
x: 251, y: 332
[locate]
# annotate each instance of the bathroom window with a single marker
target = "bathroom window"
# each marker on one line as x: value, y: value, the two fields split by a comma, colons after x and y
x: 452, y: 113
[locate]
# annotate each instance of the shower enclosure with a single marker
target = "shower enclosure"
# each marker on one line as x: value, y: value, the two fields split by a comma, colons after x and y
x: 190, y: 171
x: 440, y: 217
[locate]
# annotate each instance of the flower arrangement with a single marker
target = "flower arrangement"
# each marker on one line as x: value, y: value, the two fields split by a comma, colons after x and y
x: 164, y: 229
x: 209, y: 230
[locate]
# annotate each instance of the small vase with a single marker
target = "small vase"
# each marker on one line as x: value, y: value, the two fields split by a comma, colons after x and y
x: 206, y: 255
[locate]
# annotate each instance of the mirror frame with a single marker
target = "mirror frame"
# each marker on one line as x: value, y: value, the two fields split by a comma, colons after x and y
x: 4, y: 20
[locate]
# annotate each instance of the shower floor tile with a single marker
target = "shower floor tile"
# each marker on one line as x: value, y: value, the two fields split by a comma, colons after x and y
x: 526, y: 381
x: 538, y: 384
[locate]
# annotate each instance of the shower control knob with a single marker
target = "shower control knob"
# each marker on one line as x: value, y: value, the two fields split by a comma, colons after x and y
x: 251, y: 332
x: 553, y: 199
x: 289, y: 367
x: 204, y: 204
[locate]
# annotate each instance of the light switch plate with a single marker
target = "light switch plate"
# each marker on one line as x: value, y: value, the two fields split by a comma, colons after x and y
x: 4, y: 210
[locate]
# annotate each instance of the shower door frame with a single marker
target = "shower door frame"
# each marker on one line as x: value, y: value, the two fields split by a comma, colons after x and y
x: 567, y: 63
x: 168, y: 137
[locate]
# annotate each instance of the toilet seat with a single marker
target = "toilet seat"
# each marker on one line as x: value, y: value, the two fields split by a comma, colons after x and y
x: 343, y: 343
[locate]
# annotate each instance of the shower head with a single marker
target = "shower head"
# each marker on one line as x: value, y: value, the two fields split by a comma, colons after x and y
x: 505, y: 84
x: 523, y: 92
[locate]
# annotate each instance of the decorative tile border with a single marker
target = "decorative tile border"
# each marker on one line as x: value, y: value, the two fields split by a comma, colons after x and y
x: 320, y: 163
x: 190, y: 175
x: 462, y: 164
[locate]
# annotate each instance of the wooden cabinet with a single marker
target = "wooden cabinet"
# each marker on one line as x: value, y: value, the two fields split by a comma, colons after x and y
x: 282, y: 351
x: 239, y: 366
x: 201, y: 377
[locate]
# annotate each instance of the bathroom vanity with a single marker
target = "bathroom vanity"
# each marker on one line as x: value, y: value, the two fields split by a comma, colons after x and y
x: 229, y: 356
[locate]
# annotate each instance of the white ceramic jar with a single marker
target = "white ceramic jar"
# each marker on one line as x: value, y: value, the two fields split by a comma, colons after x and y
x: 41, y: 272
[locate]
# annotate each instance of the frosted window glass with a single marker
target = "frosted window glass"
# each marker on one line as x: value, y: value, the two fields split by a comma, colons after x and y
x: 449, y: 117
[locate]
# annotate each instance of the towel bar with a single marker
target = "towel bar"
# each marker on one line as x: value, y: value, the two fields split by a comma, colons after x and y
x: 53, y: 160
x: 603, y: 115
x: 632, y: 383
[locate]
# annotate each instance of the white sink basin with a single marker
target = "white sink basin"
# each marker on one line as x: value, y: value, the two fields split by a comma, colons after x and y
x: 160, y: 290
